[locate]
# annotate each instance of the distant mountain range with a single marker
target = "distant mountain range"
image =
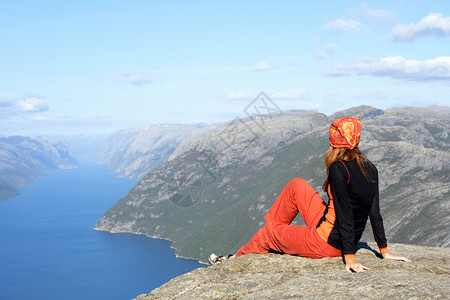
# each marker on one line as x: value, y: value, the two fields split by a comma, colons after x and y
x: 133, y: 153
x: 218, y: 183
x: 25, y: 159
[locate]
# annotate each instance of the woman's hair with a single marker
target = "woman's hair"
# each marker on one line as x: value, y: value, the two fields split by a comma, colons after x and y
x: 333, y: 154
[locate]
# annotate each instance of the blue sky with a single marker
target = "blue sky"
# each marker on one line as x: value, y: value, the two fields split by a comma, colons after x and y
x: 94, y: 67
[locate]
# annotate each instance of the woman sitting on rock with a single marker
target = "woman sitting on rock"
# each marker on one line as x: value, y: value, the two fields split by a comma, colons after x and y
x: 332, y: 229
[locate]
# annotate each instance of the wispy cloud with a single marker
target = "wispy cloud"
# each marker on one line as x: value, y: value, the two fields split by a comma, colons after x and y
x: 370, y: 95
x: 290, y: 94
x: 14, y: 106
x: 32, y: 104
x: 69, y: 124
x: 262, y: 66
x: 138, y: 78
x: 284, y: 95
x: 328, y: 51
x: 349, y: 25
x: 241, y: 96
x: 398, y: 67
x: 365, y: 12
x: 433, y: 24
x: 39, y: 118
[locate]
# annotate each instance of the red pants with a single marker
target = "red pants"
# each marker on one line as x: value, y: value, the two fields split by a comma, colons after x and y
x: 277, y: 235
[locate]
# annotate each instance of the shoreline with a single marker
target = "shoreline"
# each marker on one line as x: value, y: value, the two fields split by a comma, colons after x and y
x: 153, y: 237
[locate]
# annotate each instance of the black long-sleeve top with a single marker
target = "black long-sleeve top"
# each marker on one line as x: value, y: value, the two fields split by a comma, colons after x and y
x: 352, y: 201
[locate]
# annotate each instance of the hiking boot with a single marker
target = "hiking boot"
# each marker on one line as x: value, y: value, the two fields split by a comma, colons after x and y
x: 213, y: 259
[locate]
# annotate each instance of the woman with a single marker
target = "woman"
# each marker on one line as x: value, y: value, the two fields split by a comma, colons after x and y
x: 331, y: 229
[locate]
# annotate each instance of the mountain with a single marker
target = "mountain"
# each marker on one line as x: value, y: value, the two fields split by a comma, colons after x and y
x: 275, y: 276
x: 135, y: 152
x: 213, y: 192
x: 82, y: 148
x: 26, y: 159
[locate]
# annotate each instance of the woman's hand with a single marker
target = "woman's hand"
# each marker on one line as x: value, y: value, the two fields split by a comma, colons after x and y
x: 395, y: 257
x: 352, y: 265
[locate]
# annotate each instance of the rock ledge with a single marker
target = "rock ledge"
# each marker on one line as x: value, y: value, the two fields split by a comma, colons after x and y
x: 274, y: 276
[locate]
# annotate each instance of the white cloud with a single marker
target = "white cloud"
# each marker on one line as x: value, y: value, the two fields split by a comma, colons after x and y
x: 328, y: 51
x: 290, y: 94
x: 371, y: 95
x: 61, y: 125
x: 398, y: 67
x: 39, y: 118
x: 349, y: 25
x: 138, y: 78
x: 287, y: 95
x: 32, y: 104
x: 241, y: 96
x: 5, y: 102
x: 433, y: 24
x: 14, y: 106
x: 262, y: 66
x: 364, y: 11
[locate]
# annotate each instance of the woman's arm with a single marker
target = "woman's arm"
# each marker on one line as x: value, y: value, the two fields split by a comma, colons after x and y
x: 378, y: 229
x: 375, y: 218
x: 395, y: 257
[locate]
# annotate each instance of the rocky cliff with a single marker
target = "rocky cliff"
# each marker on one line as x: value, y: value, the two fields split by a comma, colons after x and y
x: 275, y: 276
x: 25, y: 159
x: 215, y: 189
x: 133, y: 153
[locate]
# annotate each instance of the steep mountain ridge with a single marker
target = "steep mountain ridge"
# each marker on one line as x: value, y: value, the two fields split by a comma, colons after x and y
x: 251, y: 138
x: 133, y: 153
x: 215, y: 189
x: 25, y: 159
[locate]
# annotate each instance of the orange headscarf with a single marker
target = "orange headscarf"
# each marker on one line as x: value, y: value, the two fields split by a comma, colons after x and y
x: 345, y: 133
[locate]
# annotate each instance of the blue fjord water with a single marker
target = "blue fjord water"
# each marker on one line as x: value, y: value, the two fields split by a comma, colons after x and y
x: 49, y: 250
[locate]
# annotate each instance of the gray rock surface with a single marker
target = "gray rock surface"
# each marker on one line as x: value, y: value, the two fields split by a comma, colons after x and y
x: 275, y: 276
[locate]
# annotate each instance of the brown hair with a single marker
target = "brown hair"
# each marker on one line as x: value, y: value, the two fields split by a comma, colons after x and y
x: 333, y: 154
